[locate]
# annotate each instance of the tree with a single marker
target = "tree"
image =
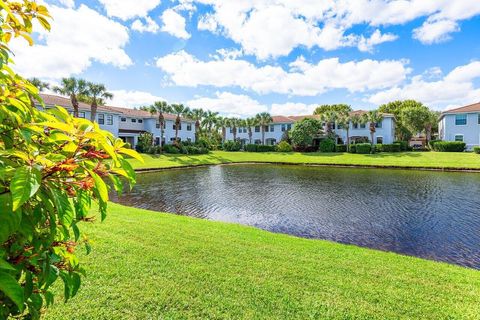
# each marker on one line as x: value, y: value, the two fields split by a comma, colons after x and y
x: 249, y: 124
x: 73, y: 88
x: 431, y: 125
x: 373, y: 118
x: 263, y: 119
x: 222, y: 123
x: 329, y: 117
x: 210, y: 120
x: 160, y: 107
x: 234, y: 124
x: 403, y: 128
x: 97, y: 93
x: 343, y: 121
x: 40, y: 85
x: 52, y: 166
x: 304, y: 132
x: 179, y: 110
x: 197, y: 115
x: 418, y: 118
x: 339, y: 108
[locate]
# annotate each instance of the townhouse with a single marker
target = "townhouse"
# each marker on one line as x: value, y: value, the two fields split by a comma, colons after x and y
x: 128, y: 124
x: 461, y: 124
x: 385, y: 130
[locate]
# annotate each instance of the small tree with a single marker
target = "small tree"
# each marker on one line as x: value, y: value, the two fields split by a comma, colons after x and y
x: 305, y: 131
x: 160, y: 108
x: 145, y: 141
x: 373, y: 117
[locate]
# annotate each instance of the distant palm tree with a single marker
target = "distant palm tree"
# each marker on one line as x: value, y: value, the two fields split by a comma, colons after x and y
x: 73, y: 88
x: 223, y: 123
x: 97, y: 93
x: 198, y: 115
x: 250, y: 123
x: 431, y: 122
x: 263, y: 119
x: 209, y: 121
x: 40, y: 85
x: 160, y: 107
x: 344, y: 121
x: 179, y: 110
x: 234, y: 124
x: 373, y: 117
x: 329, y: 117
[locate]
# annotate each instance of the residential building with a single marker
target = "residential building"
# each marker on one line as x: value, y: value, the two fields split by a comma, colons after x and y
x: 126, y: 123
x: 461, y: 124
x: 385, y: 131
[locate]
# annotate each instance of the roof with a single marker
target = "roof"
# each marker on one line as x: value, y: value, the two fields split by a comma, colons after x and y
x: 362, y: 112
x: 135, y: 113
x: 474, y: 107
x: 281, y: 119
x: 54, y: 100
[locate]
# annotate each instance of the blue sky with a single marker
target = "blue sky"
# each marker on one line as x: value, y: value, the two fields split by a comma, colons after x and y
x: 245, y: 56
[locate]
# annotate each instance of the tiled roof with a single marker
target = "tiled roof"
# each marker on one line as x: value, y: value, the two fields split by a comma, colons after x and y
x: 281, y: 119
x: 475, y: 107
x: 53, y: 100
x: 143, y: 114
x: 362, y: 112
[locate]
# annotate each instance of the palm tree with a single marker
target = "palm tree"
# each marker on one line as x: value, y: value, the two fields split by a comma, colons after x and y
x: 329, y: 117
x: 179, y: 110
x: 160, y: 107
x: 250, y: 123
x: 373, y: 117
x: 73, y: 88
x: 209, y: 120
x: 344, y: 121
x: 97, y: 93
x: 263, y: 119
x: 431, y: 122
x: 234, y: 124
x: 223, y: 123
x: 198, y: 115
x: 40, y: 85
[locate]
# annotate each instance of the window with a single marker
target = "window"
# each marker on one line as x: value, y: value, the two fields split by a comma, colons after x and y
x: 479, y: 118
x: 272, y: 128
x: 134, y: 120
x: 258, y: 141
x: 379, y: 140
x: 333, y: 125
x: 257, y: 129
x: 355, y: 126
x: 101, y: 118
x: 157, y: 125
x: 123, y: 119
x: 289, y: 126
x: 363, y: 125
x: 157, y: 141
x: 460, y: 119
x: 459, y: 137
x: 109, y: 119
x: 340, y: 127
x: 172, y: 139
x: 284, y: 127
x: 140, y: 120
x: 81, y: 115
x: 189, y: 127
x: 378, y: 124
x: 179, y: 127
x: 231, y: 130
x: 266, y: 128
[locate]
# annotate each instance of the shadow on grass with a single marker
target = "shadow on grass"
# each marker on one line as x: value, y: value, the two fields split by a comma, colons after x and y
x: 193, y: 160
x: 375, y: 155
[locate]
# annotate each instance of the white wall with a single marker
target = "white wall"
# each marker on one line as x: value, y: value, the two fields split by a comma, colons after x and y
x: 275, y: 134
x: 184, y: 134
x: 470, y: 131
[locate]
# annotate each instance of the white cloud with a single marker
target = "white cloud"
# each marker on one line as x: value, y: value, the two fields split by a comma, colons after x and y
x: 303, y: 79
x: 229, y: 104
x: 149, y: 26
x: 174, y: 24
x: 128, y: 9
x: 67, y: 3
x: 325, y: 24
x: 132, y: 98
x: 292, y: 109
x: 78, y: 37
x: 456, y: 88
x: 435, y: 31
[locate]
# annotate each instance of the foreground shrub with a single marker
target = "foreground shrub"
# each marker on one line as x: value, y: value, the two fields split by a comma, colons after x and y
x: 170, y: 148
x: 476, y: 150
x: 154, y: 150
x: 341, y: 148
x: 449, y: 146
x: 403, y: 145
x: 284, y: 146
x: 232, y: 146
x: 431, y: 144
x: 266, y: 148
x: 251, y: 147
x: 394, y: 147
x: 363, y: 148
x: 352, y: 148
x: 144, y: 143
x: 327, y: 145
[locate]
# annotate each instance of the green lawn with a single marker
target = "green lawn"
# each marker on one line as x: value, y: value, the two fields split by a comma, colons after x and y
x: 405, y: 159
x: 149, y: 265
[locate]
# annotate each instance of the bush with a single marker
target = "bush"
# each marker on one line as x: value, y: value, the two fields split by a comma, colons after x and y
x: 232, y: 146
x: 363, y: 148
x: 284, y: 146
x: 394, y: 147
x: 266, y: 148
x: 304, y: 132
x: 251, y: 147
x: 403, y: 145
x: 203, y: 143
x: 145, y: 141
x: 431, y: 144
x: 352, y: 148
x: 341, y: 148
x: 449, y: 146
x: 170, y: 148
x: 476, y: 150
x: 327, y: 145
x: 154, y: 150
x: 194, y: 150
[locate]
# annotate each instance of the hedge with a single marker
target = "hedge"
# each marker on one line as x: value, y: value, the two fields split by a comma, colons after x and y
x: 476, y: 150
x: 352, y: 148
x: 449, y: 146
x: 265, y: 148
x: 284, y: 146
x: 403, y: 145
x: 394, y: 147
x: 341, y: 148
x: 327, y: 145
x: 363, y: 148
x: 232, y: 146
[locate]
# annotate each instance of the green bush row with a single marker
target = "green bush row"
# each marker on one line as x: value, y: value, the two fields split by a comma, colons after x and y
x: 449, y: 146
x: 476, y: 150
x: 259, y: 148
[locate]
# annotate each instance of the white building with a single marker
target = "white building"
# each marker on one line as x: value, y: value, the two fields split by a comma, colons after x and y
x: 385, y: 130
x: 461, y: 124
x: 126, y: 123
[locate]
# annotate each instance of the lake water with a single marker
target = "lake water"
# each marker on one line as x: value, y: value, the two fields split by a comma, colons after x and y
x: 433, y: 215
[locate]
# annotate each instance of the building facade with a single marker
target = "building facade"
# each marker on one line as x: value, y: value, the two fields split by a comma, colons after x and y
x: 385, y: 131
x: 461, y: 124
x: 128, y: 124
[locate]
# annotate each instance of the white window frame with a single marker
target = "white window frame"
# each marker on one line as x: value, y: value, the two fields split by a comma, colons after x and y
x: 466, y: 119
x: 101, y: 118
x: 109, y: 120
x: 376, y: 139
x: 458, y: 135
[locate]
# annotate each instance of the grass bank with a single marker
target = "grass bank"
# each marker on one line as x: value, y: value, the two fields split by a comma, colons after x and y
x: 434, y: 160
x: 149, y: 265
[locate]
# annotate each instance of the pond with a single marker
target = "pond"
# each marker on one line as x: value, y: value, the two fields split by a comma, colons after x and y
x: 433, y: 215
